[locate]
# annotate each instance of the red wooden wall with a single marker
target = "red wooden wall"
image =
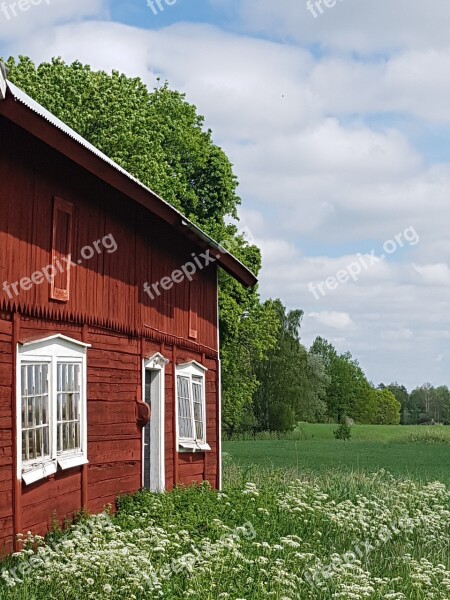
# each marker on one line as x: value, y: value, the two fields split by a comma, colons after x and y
x: 106, y: 290
x: 107, y: 309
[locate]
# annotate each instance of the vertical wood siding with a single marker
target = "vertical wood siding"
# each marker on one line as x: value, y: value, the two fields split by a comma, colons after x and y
x: 107, y: 289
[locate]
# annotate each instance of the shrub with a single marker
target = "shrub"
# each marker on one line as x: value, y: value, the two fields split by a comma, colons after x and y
x: 343, y: 432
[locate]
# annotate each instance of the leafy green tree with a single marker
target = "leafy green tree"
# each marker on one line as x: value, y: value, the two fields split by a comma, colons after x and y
x: 420, y: 400
x: 429, y: 404
x: 348, y: 391
x: 402, y: 395
x: 387, y: 408
x: 440, y: 404
x: 291, y: 380
x: 245, y: 340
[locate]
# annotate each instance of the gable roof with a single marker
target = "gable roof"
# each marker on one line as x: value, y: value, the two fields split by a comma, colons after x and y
x: 25, y: 112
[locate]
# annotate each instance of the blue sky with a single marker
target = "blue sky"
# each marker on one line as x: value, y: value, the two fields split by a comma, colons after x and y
x: 140, y: 14
x: 339, y: 131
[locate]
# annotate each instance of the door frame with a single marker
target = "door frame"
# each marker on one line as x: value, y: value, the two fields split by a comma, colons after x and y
x: 157, y: 364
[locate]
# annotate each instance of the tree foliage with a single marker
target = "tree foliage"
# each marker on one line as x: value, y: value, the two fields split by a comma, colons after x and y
x: 292, y: 381
x: 350, y: 393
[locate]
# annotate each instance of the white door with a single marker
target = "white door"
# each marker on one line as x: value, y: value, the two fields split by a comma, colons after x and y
x: 153, y: 475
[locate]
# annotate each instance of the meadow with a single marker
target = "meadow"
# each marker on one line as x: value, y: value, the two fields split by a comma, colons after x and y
x: 419, y: 452
x: 283, y: 533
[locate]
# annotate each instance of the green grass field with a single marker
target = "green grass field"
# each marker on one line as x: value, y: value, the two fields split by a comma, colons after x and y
x: 422, y: 453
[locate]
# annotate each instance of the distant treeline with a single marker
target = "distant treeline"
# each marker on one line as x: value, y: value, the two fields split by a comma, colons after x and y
x: 321, y: 385
x: 425, y: 404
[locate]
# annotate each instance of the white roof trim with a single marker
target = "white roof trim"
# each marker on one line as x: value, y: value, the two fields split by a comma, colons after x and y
x: 192, y: 363
x: 58, y: 336
x: 2, y: 81
x: 157, y: 360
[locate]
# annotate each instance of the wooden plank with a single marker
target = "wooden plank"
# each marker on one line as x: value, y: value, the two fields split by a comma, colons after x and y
x: 112, y: 488
x: 112, y: 471
x: 107, y: 451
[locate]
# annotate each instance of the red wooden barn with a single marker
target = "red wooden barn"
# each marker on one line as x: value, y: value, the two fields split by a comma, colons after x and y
x: 108, y: 305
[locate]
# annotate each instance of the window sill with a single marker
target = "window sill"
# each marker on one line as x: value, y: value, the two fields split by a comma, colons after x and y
x: 34, y: 474
x: 193, y: 447
x: 39, y: 472
x: 69, y: 462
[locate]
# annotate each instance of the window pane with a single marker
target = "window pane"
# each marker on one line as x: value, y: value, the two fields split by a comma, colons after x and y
x: 45, y: 379
x: 32, y: 443
x: 59, y: 435
x: 65, y: 436
x: 68, y: 407
x: 30, y: 411
x: 35, y: 412
x: 197, y: 392
x: 46, y: 436
x: 59, y: 376
x: 77, y: 435
x: 45, y: 411
x: 38, y: 443
x: 185, y: 425
x: 23, y: 375
x: 24, y: 445
x: 30, y: 380
x: 37, y: 379
x: 24, y: 412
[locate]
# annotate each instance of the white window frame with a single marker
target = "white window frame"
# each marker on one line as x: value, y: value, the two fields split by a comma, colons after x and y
x: 190, y: 370
x: 51, y: 350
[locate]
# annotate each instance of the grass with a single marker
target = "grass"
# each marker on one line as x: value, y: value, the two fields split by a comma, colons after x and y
x: 421, y: 453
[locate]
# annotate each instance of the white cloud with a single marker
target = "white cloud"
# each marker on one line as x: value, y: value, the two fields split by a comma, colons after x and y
x: 352, y: 25
x: 412, y: 81
x: 437, y: 274
x: 336, y: 320
x: 397, y: 334
x: 17, y: 23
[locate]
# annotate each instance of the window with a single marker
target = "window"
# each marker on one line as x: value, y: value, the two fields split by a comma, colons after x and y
x: 51, y: 396
x: 191, y: 409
